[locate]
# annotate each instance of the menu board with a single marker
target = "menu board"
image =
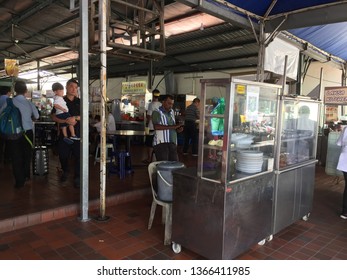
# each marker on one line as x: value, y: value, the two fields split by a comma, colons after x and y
x: 137, y: 87
x: 335, y: 95
x: 331, y: 113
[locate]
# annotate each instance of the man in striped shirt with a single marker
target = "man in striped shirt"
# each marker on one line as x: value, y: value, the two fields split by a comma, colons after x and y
x: 166, y: 129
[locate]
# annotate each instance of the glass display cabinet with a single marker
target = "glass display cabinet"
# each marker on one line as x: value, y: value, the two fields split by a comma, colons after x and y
x: 237, y: 130
x: 224, y: 206
x: 295, y: 161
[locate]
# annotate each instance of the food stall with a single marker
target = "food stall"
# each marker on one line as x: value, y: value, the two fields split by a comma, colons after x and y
x: 134, y: 101
x: 224, y: 206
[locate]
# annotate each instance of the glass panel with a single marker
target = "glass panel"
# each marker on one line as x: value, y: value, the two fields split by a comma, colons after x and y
x: 214, y: 126
x: 253, y: 134
x: 238, y: 129
x: 299, y: 129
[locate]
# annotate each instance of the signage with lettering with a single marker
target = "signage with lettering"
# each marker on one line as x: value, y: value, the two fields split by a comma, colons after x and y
x: 136, y: 87
x: 335, y: 95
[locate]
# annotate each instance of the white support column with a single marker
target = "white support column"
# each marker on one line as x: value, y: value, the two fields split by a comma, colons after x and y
x: 103, y: 72
x: 84, y: 75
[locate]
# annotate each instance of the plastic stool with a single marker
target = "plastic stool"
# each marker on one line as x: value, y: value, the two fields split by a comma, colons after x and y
x: 122, y: 164
x: 109, y: 152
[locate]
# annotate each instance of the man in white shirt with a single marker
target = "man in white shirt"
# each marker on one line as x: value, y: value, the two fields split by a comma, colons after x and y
x: 154, y: 105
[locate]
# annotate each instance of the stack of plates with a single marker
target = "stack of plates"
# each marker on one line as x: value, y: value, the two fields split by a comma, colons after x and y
x: 242, y: 140
x: 249, y: 161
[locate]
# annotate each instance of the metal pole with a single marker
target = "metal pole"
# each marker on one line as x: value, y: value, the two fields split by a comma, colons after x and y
x: 261, y: 53
x: 284, y: 81
x: 84, y: 148
x: 102, y: 40
x: 280, y: 114
x: 321, y: 97
x: 38, y: 75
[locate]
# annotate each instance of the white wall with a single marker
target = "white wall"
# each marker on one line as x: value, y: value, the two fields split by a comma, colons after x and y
x: 189, y: 83
x: 331, y: 77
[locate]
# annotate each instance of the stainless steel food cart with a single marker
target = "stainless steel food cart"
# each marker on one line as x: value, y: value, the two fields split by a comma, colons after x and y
x: 224, y: 206
x: 297, y: 136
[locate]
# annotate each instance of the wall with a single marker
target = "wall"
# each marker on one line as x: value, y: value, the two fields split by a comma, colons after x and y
x: 189, y: 83
x: 331, y: 77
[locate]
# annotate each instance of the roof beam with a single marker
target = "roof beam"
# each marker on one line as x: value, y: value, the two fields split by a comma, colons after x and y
x: 325, y: 14
x: 218, y: 10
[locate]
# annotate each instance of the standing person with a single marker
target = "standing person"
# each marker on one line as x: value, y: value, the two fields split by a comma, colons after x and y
x: 21, y: 149
x: 166, y: 129
x: 191, y: 132
x: 154, y: 105
x: 111, y: 123
x: 62, y: 112
x: 4, y: 151
x: 64, y: 150
x: 342, y: 166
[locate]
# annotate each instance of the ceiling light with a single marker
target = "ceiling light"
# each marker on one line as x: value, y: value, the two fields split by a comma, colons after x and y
x: 60, y: 47
x: 231, y: 48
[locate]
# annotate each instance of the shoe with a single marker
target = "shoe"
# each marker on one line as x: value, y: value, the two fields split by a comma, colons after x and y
x: 18, y: 186
x: 76, y: 183
x: 68, y: 141
x: 75, y: 138
x: 63, y: 177
x: 343, y: 216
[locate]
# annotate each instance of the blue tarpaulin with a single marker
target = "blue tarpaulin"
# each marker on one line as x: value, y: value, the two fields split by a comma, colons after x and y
x: 328, y: 36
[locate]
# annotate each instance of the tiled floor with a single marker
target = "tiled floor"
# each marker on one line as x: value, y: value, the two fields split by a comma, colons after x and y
x: 125, y: 234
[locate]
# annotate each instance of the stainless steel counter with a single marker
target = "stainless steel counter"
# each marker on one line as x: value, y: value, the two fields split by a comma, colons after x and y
x: 217, y: 221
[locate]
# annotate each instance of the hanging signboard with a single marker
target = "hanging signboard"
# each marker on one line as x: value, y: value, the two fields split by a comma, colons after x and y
x: 335, y: 95
x: 136, y: 87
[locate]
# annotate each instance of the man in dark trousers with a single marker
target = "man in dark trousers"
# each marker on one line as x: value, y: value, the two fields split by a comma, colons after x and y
x: 21, y: 149
x: 65, y: 150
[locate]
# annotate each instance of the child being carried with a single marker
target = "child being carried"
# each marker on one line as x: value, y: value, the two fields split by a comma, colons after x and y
x: 62, y: 112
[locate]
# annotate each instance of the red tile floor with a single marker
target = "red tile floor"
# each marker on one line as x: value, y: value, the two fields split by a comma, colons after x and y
x: 59, y: 233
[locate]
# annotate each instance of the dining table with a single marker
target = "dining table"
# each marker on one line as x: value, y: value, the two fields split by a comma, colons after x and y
x: 128, y: 134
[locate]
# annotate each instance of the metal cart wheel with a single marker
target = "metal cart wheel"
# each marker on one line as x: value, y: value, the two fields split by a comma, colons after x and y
x: 176, y: 247
x: 305, y: 218
x: 269, y: 238
x: 262, y: 242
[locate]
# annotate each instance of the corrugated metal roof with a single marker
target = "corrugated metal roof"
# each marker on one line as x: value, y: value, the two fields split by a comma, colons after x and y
x: 48, y: 31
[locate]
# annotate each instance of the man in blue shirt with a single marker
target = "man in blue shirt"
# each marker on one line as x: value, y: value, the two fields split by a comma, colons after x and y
x: 21, y: 149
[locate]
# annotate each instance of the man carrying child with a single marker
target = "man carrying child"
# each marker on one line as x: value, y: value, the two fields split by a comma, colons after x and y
x: 62, y: 112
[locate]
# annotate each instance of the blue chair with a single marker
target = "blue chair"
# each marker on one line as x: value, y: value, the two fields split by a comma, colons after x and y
x: 120, y: 164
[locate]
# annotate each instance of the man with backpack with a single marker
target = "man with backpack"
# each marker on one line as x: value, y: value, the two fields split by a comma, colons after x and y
x: 20, y: 141
x: 5, y: 92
